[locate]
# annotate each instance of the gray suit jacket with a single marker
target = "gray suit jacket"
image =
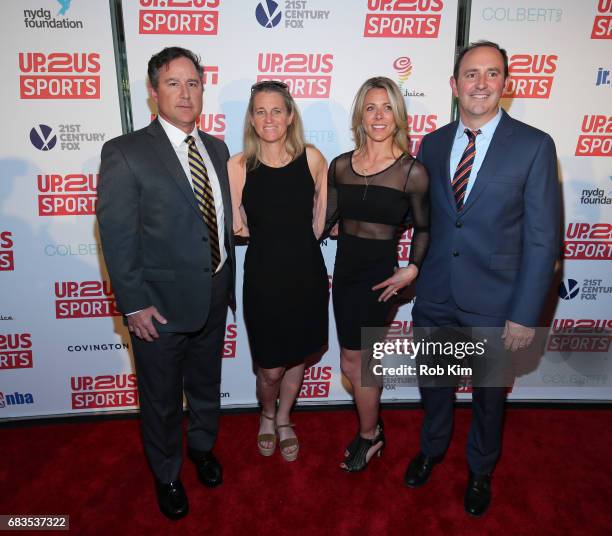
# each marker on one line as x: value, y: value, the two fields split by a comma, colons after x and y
x: 154, y: 239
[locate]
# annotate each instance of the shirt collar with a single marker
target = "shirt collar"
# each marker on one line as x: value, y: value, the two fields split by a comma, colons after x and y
x: 486, y: 131
x: 175, y: 134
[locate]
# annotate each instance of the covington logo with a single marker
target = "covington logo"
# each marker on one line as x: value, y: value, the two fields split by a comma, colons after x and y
x: 268, y: 14
x: 187, y: 17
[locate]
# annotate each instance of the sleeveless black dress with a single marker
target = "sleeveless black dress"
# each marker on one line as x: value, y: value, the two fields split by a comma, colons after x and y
x: 372, y: 212
x: 286, y: 289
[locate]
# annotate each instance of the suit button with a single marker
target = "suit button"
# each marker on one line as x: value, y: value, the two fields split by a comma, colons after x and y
x: 204, y: 239
x: 458, y: 224
x: 455, y: 253
x: 207, y: 269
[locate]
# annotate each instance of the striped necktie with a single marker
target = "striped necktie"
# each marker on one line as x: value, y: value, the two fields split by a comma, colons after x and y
x: 205, y: 198
x: 462, y: 173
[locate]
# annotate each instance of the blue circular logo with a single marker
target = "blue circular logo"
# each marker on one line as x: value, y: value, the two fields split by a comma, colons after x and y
x: 268, y: 13
x: 568, y: 289
x: 43, y: 138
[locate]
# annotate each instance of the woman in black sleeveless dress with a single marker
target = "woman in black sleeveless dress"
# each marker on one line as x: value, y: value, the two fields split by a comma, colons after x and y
x: 373, y: 192
x: 279, y: 197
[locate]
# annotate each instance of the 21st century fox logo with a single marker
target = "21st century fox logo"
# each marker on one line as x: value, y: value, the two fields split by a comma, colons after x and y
x: 59, y: 75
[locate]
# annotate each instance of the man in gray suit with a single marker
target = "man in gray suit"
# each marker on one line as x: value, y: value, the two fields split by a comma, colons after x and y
x: 165, y: 219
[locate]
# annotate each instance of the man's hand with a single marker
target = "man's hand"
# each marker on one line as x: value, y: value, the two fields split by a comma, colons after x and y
x: 141, y: 323
x: 516, y: 336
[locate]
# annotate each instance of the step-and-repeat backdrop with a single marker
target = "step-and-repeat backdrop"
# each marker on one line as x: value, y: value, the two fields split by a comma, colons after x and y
x: 63, y: 348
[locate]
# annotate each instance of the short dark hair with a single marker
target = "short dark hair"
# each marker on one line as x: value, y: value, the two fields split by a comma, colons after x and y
x: 479, y: 44
x: 164, y: 57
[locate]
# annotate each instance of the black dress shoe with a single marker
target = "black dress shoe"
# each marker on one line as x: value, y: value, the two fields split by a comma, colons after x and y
x: 419, y: 469
x: 209, y: 469
x: 478, y: 494
x: 172, y: 499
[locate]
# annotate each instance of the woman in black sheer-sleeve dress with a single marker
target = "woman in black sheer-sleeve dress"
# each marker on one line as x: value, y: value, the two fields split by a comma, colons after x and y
x: 372, y: 191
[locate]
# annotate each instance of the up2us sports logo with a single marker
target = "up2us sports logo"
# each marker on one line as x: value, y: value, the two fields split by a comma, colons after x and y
x: 7, y: 258
x: 15, y: 350
x: 403, y: 18
x: 105, y: 391
x: 59, y: 75
x: 84, y: 299
x: 179, y: 17
x: 309, y: 76
x: 418, y: 126
x: 595, y: 137
x: 73, y: 194
x: 531, y: 76
x: 602, y: 24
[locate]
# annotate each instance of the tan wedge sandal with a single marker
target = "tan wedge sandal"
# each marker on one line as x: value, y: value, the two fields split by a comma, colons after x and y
x: 263, y: 439
x: 288, y: 443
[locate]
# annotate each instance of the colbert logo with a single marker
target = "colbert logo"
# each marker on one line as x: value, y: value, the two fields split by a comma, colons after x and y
x: 603, y: 77
x: 316, y: 382
x: 268, y: 13
x: 403, y: 18
x: 43, y: 138
x: 189, y: 17
x: 403, y: 246
x: 418, y: 126
x: 531, y: 76
x: 602, y: 25
x: 229, y: 344
x: 110, y: 391
x: 307, y: 75
x: 580, y: 335
x: 67, y: 195
x: 596, y: 137
x: 568, y: 289
x: 66, y: 75
x: 522, y: 14
x: 7, y: 260
x: 15, y: 351
x: 15, y: 399
x: 588, y: 241
x: 84, y: 299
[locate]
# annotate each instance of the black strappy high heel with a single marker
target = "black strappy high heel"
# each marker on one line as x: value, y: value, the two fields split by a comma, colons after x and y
x: 358, y: 450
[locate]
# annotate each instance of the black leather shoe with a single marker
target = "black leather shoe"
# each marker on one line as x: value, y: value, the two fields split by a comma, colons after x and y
x: 419, y: 469
x: 478, y: 494
x: 209, y: 469
x: 172, y: 499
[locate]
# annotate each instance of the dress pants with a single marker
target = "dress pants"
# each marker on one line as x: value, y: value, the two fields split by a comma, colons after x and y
x: 484, y: 440
x: 175, y: 362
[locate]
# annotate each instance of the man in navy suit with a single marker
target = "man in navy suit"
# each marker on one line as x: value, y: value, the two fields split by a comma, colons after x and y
x: 494, y: 242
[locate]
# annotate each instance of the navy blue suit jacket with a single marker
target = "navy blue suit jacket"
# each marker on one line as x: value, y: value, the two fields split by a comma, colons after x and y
x: 496, y: 257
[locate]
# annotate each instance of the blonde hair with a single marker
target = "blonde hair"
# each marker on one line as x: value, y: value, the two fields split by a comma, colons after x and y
x: 294, y: 140
x: 398, y: 107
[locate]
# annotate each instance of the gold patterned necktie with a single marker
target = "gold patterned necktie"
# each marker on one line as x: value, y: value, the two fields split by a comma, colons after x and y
x: 205, y: 198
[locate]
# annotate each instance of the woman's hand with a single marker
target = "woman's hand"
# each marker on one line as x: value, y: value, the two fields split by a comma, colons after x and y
x: 400, y: 279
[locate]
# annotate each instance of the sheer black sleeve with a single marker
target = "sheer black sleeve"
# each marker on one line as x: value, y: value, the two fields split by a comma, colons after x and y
x: 332, y: 214
x: 417, y: 189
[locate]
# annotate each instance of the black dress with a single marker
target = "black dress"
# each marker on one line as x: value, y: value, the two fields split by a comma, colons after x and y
x: 372, y: 212
x: 286, y: 289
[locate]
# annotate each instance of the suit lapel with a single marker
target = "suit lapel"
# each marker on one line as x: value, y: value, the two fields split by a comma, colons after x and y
x: 165, y: 152
x: 221, y: 169
x: 447, y: 142
x: 495, y: 153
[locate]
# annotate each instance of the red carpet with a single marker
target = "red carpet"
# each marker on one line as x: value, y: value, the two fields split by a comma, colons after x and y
x: 554, y: 478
